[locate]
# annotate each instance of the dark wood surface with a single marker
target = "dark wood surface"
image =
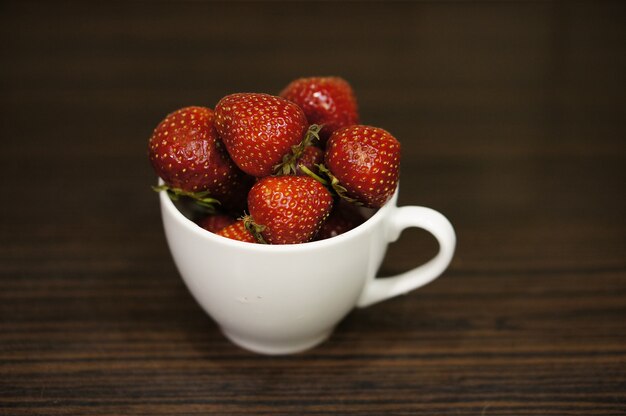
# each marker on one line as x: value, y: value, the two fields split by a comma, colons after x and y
x: 512, y: 120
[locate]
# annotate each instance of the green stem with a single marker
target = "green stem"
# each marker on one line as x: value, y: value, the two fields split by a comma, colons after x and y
x: 313, y: 175
x: 336, y: 185
x: 200, y: 198
x: 290, y: 160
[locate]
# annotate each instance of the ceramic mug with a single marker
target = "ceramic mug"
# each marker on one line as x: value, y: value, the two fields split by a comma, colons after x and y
x: 281, y: 299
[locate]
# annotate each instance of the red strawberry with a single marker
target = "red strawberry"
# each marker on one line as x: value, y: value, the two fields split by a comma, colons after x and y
x: 258, y: 130
x: 365, y: 161
x: 325, y: 100
x: 311, y: 157
x: 288, y: 209
x: 186, y: 153
x: 237, y: 231
x: 343, y: 217
x: 214, y: 223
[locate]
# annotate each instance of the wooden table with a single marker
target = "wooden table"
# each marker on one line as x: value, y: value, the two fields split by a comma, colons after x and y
x: 512, y: 122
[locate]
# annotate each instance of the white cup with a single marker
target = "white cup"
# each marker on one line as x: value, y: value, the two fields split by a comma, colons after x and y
x: 282, y: 299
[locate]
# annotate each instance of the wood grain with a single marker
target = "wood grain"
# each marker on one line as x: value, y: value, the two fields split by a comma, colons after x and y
x: 512, y: 122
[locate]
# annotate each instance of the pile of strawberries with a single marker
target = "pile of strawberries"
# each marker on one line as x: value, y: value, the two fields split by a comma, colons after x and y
x: 282, y: 169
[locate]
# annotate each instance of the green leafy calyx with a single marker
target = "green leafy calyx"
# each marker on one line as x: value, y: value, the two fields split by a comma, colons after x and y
x: 289, y: 163
x: 200, y: 198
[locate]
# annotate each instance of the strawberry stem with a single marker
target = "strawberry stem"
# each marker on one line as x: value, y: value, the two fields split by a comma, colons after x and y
x: 254, y: 228
x: 313, y: 175
x: 336, y: 186
x: 200, y: 198
x: 290, y: 160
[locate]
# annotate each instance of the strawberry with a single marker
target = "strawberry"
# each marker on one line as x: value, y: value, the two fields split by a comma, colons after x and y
x: 214, y: 223
x: 258, y: 130
x: 311, y: 157
x: 185, y: 152
x: 287, y: 209
x: 342, y: 218
x: 364, y: 164
x: 237, y: 231
x: 327, y: 101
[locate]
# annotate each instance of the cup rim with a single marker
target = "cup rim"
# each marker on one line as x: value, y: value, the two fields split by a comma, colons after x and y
x: 167, y: 205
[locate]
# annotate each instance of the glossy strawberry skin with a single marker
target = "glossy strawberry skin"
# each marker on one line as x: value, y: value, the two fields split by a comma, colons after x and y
x: 258, y: 130
x: 237, y: 231
x: 186, y: 153
x: 214, y: 223
x: 366, y: 161
x: 325, y: 100
x: 291, y: 208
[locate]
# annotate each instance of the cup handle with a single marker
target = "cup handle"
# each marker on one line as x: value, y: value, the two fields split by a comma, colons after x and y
x: 401, y: 218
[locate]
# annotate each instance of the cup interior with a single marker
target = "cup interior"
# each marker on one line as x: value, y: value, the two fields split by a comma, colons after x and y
x: 183, y: 215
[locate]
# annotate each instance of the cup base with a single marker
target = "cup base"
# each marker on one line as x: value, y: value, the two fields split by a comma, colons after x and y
x: 282, y: 348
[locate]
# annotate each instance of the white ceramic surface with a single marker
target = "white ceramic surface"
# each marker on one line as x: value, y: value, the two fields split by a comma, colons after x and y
x: 281, y: 299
